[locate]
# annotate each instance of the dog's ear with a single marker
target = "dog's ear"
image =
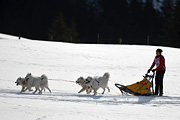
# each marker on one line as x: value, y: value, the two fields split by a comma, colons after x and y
x: 90, y: 78
x: 30, y: 74
x: 20, y: 78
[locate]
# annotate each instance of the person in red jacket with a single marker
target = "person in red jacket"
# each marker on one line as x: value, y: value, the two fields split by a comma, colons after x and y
x: 159, y: 61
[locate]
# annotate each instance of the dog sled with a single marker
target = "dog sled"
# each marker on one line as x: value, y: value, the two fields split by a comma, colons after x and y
x: 142, y: 88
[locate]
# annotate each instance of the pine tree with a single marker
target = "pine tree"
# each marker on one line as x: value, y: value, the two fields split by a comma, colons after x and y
x: 136, y: 19
x: 61, y: 32
x: 114, y: 20
x: 171, y: 25
x: 150, y: 20
x: 177, y: 22
x: 59, y: 29
x: 73, y: 32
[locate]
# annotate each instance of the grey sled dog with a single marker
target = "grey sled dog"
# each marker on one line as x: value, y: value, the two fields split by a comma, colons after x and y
x: 98, y: 82
x: 23, y: 83
x: 81, y: 81
x: 37, y: 82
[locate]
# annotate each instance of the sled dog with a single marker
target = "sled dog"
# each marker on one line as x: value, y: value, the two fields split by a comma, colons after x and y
x: 37, y: 82
x: 81, y: 82
x: 23, y: 83
x: 98, y: 82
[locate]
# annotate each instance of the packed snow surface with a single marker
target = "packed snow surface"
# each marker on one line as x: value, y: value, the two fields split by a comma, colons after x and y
x: 63, y: 63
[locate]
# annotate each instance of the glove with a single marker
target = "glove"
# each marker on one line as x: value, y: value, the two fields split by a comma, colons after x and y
x: 149, y: 71
x: 153, y: 70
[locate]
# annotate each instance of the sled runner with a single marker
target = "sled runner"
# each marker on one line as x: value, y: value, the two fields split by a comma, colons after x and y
x: 144, y: 87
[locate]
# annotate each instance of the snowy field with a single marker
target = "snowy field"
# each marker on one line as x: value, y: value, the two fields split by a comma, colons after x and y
x: 64, y: 61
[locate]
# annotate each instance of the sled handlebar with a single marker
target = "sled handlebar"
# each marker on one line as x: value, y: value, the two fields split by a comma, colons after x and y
x: 150, y: 76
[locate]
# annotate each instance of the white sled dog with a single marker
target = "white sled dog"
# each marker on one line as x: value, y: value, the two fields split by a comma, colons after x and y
x: 37, y: 82
x: 81, y: 82
x: 23, y: 83
x: 98, y: 82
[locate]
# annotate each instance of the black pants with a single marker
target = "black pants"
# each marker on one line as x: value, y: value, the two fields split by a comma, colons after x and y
x: 159, y: 82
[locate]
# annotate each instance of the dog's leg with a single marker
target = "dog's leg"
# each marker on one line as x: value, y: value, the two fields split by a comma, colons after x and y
x: 35, y: 91
x: 37, y: 88
x: 30, y: 89
x: 42, y: 88
x: 48, y: 89
x: 88, y: 90
x: 108, y: 89
x: 95, y: 92
x: 22, y: 90
x: 103, y: 90
x: 84, y: 88
x: 40, y: 91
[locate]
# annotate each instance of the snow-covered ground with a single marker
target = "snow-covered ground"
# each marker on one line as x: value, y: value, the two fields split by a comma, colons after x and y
x: 64, y: 61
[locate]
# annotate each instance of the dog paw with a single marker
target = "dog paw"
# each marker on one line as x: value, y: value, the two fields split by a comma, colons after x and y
x: 22, y: 91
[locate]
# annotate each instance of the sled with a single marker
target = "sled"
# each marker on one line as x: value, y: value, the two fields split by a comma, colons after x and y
x: 142, y: 88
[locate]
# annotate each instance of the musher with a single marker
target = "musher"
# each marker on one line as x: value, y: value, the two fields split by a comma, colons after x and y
x: 159, y: 61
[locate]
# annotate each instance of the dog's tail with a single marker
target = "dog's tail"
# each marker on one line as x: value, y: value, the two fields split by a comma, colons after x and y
x: 107, y: 75
x: 44, y: 77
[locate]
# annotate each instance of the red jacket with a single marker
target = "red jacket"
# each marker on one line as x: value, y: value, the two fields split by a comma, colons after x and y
x: 159, y: 61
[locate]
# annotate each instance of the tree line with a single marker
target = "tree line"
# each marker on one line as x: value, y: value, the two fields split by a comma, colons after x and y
x: 98, y: 21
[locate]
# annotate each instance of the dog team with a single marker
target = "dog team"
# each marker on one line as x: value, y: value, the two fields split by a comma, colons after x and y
x: 40, y: 83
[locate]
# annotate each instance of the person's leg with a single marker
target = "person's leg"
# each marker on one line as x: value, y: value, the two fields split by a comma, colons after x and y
x: 157, y: 83
x: 161, y: 82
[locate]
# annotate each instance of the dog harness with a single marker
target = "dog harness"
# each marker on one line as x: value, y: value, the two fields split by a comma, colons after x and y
x: 94, y: 81
x: 97, y: 81
x: 87, y: 81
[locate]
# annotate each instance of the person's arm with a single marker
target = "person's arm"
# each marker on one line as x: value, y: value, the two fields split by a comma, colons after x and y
x: 153, y: 64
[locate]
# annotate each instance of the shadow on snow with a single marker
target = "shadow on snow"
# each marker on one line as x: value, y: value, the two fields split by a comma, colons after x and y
x: 99, y: 99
